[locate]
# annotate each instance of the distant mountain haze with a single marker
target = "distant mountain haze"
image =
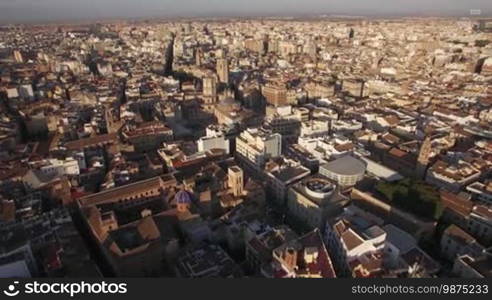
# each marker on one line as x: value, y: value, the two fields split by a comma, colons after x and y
x: 65, y: 10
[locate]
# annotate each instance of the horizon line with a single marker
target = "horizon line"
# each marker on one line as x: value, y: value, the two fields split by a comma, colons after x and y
x: 225, y: 16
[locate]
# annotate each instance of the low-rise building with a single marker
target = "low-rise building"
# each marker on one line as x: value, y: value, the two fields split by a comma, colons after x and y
x: 206, y: 262
x: 213, y: 139
x: 346, y: 171
x: 456, y: 242
x: 255, y: 147
x: 469, y: 267
x: 261, y: 243
x: 148, y: 136
x: 452, y: 177
x: 304, y: 257
x: 313, y: 200
x: 131, y: 227
x: 280, y: 175
x: 481, y: 192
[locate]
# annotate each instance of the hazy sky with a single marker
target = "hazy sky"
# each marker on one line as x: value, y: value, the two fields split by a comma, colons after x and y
x: 42, y: 10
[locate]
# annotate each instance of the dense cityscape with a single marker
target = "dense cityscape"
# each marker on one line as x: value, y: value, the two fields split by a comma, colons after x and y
x: 254, y: 147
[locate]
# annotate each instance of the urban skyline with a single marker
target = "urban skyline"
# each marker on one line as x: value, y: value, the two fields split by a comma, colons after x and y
x: 307, y: 147
x: 28, y: 11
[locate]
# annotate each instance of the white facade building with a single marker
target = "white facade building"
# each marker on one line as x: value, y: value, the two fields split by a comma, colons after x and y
x: 256, y: 146
x: 56, y: 167
x: 213, y: 140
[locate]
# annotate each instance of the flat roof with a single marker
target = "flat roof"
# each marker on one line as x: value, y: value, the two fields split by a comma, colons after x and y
x: 289, y: 173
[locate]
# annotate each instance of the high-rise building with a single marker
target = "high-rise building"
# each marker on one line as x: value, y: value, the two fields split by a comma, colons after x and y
x: 255, y: 45
x: 310, y: 49
x: 223, y: 70
x: 485, y: 25
x: 169, y: 57
x: 18, y: 57
x: 255, y: 146
x: 275, y: 94
x: 236, y: 180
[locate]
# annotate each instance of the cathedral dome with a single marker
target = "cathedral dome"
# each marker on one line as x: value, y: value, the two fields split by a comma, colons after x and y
x: 183, y: 197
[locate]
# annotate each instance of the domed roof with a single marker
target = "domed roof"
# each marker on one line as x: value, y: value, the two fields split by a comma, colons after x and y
x: 183, y: 197
x: 346, y: 165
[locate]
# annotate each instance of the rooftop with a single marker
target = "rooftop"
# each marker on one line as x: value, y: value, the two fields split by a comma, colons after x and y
x: 311, y: 259
x: 346, y: 165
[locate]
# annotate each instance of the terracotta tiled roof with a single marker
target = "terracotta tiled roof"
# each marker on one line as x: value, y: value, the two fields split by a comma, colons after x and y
x: 116, y: 194
x: 92, y: 141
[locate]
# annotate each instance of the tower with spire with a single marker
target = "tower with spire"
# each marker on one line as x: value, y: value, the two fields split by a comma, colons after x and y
x: 223, y: 70
x: 424, y: 157
x: 198, y: 56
